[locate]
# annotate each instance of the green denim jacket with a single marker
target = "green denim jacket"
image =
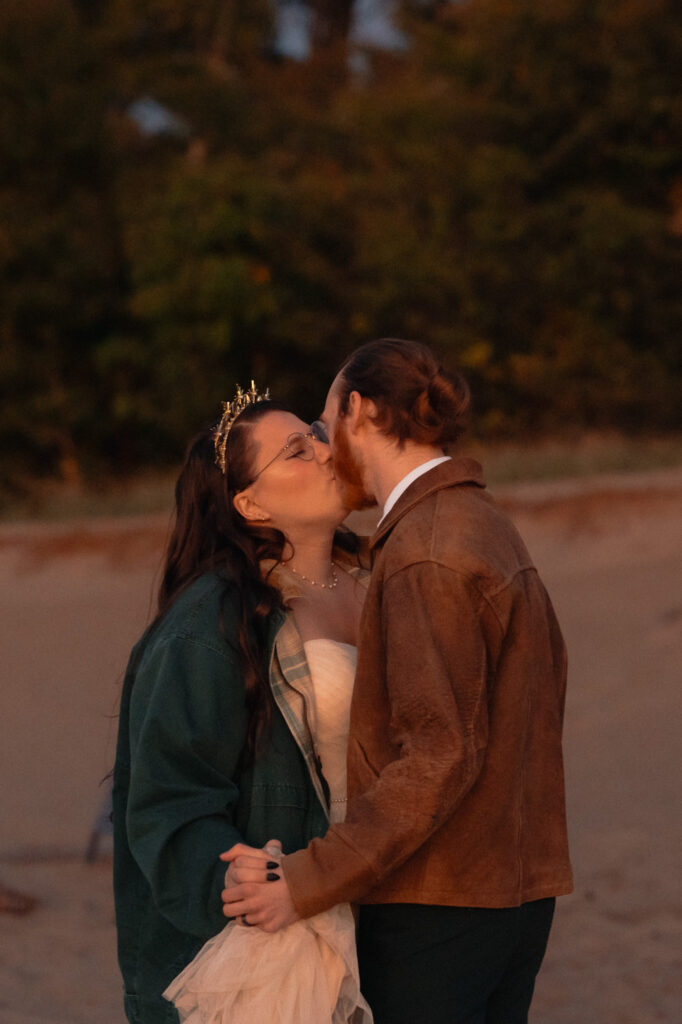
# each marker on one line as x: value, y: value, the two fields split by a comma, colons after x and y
x: 181, y: 796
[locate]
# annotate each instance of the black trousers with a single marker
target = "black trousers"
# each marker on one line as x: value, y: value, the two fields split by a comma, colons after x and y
x: 451, y: 965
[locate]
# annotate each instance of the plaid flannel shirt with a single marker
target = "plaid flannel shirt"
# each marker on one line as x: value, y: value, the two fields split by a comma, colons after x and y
x: 289, y: 671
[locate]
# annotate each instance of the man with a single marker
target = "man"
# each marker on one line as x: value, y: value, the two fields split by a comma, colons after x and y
x: 455, y: 839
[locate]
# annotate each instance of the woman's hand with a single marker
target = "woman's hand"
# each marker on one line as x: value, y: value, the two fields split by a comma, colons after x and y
x: 261, y: 896
x: 268, y: 906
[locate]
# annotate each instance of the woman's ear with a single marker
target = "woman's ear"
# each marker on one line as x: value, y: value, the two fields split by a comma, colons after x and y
x: 249, y: 509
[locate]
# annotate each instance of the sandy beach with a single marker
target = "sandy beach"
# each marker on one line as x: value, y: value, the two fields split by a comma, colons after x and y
x: 74, y: 598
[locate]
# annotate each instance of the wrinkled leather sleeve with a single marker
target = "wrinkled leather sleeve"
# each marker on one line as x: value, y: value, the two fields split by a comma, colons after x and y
x: 438, y: 639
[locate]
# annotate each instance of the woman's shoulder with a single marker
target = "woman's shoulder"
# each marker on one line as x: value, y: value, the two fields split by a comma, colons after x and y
x: 202, y: 613
x: 207, y: 612
x: 201, y: 599
x: 190, y: 655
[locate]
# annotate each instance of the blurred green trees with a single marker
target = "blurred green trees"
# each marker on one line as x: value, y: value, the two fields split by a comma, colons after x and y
x: 62, y: 272
x: 508, y: 190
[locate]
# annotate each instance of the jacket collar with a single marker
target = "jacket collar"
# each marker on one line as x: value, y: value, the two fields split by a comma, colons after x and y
x: 454, y: 473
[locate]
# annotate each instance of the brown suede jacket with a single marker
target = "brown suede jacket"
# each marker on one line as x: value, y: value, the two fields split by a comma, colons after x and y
x: 455, y: 775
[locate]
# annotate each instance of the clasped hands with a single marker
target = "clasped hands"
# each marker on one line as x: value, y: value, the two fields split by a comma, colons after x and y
x: 256, y: 892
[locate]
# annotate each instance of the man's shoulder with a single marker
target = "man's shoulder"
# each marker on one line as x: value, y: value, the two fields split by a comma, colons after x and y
x: 462, y: 529
x: 456, y: 517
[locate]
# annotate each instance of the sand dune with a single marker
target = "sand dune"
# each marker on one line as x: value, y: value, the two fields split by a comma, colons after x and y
x: 75, y: 597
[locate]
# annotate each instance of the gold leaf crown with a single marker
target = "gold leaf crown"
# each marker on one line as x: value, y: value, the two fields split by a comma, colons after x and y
x: 230, y: 412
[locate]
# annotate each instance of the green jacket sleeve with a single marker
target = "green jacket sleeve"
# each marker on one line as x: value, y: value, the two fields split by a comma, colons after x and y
x: 187, y: 729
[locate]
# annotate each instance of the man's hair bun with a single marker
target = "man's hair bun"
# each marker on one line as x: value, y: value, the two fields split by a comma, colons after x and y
x: 416, y: 398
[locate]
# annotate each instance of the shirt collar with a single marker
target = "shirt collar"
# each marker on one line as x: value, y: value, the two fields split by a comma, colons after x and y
x: 403, y: 484
x: 458, y: 471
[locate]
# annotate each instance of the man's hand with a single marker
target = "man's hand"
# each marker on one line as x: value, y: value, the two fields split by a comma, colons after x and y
x: 255, y: 893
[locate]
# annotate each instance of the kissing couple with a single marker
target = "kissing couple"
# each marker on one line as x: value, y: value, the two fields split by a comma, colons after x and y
x: 348, y: 747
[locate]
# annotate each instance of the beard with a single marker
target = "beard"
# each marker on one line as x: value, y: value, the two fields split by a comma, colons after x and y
x: 348, y: 471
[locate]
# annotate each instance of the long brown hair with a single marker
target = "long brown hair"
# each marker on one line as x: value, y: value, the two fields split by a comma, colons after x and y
x: 209, y: 535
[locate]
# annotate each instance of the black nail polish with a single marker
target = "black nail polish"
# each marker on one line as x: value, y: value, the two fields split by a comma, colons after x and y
x: 271, y: 877
x: 271, y: 865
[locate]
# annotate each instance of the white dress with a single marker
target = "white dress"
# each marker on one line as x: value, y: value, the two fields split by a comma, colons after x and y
x: 306, y: 973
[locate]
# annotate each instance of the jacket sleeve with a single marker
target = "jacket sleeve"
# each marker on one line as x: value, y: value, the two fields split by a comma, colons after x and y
x: 187, y: 728
x: 436, y: 653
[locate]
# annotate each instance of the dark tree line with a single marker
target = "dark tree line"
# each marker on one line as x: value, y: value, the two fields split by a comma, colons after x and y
x: 509, y: 190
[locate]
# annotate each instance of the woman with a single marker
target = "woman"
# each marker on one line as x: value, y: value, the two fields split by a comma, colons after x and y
x: 216, y: 741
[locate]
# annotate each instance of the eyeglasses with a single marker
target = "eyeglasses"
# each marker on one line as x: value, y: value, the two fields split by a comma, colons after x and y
x: 298, y: 446
x: 319, y: 429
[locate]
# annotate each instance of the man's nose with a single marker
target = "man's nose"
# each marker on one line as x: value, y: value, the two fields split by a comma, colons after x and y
x: 322, y: 451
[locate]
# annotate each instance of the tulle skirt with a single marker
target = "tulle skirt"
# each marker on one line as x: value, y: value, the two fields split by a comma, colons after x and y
x: 304, y: 974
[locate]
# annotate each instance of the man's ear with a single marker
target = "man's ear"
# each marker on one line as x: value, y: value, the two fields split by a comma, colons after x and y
x: 248, y: 508
x: 360, y: 410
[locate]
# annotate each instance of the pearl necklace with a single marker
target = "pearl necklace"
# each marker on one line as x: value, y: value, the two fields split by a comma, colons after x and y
x: 314, y: 583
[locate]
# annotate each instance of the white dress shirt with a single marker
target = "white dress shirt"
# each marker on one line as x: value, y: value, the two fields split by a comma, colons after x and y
x: 403, y: 484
